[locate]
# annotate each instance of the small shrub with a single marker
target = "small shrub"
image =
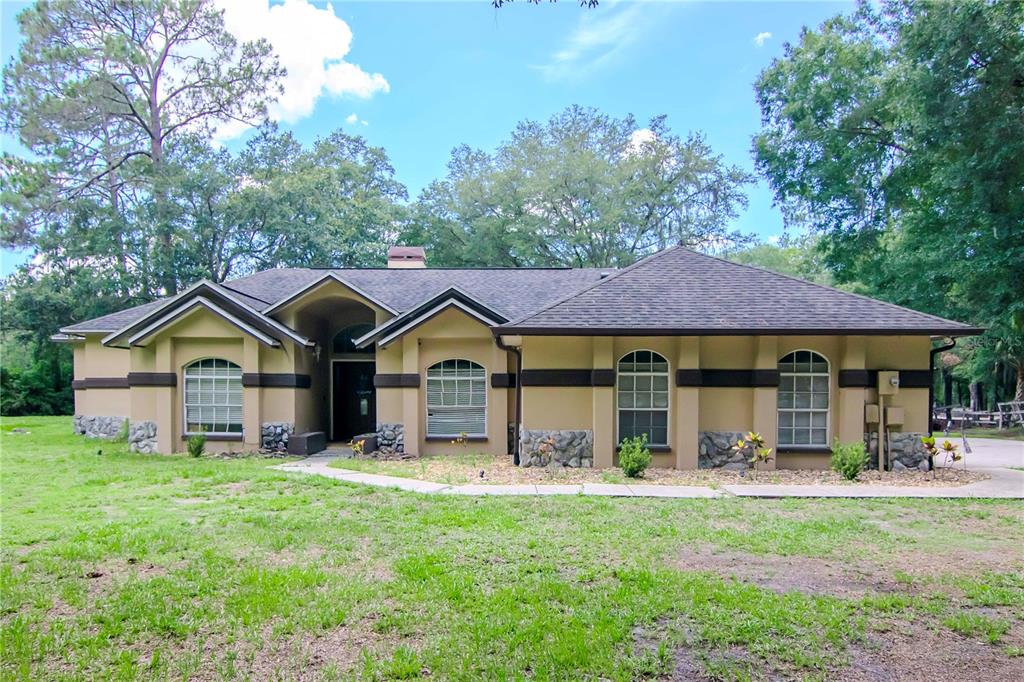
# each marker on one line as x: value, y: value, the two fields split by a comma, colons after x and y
x: 752, y: 446
x: 634, y: 457
x: 122, y: 433
x: 197, y: 444
x: 849, y: 459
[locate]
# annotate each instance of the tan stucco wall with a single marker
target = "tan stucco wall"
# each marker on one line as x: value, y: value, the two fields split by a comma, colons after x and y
x: 449, y: 335
x: 94, y: 360
x: 453, y: 334
x: 719, y: 409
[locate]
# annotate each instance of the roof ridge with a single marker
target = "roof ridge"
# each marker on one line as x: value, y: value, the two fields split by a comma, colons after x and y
x: 599, y: 282
x: 243, y: 293
x: 825, y: 286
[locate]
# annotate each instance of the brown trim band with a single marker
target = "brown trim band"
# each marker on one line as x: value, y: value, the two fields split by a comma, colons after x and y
x: 152, y: 379
x: 868, y: 378
x: 728, y: 378
x: 396, y: 380
x: 568, y: 377
x: 275, y: 380
x: 503, y: 380
x: 856, y: 378
x: 99, y: 382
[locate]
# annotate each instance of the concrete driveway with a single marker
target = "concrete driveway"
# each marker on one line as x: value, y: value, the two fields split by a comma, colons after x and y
x: 989, y: 453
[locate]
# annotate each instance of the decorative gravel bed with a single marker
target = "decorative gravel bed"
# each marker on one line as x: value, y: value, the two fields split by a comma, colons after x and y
x: 469, y: 468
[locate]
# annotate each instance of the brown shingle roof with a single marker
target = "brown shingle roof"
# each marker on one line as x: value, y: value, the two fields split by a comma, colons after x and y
x: 513, y: 292
x: 676, y: 291
x: 679, y: 291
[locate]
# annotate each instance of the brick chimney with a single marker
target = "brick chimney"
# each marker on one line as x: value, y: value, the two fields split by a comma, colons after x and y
x: 405, y: 257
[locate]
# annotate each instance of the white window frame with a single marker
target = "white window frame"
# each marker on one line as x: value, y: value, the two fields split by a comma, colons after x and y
x: 429, y: 407
x: 185, y: 396
x: 668, y: 390
x: 794, y: 410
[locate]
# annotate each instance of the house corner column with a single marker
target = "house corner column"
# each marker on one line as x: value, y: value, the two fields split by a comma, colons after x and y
x: 603, y: 406
x: 252, y: 408
x: 168, y: 428
x: 411, y: 395
x: 686, y: 410
x: 850, y: 415
x: 766, y: 397
x: 497, y: 405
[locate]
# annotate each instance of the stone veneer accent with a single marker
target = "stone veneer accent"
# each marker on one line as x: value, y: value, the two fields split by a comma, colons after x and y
x: 908, y: 452
x: 571, y: 448
x: 390, y: 438
x: 142, y: 436
x: 275, y: 435
x: 99, y: 427
x: 714, y: 450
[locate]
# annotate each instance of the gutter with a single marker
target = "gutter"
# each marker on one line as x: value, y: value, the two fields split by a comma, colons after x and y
x: 931, y: 386
x: 518, y: 352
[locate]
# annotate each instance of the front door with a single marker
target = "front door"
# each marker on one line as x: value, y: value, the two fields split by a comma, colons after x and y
x: 355, y: 403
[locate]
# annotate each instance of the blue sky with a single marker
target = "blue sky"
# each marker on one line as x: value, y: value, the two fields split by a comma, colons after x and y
x: 420, y: 78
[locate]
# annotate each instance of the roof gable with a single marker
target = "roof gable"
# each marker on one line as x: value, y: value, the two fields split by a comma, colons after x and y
x: 215, y: 298
x: 452, y: 297
x: 682, y: 292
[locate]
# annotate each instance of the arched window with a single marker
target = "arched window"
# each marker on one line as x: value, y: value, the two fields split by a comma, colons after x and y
x: 803, y: 400
x: 213, y: 397
x: 344, y: 341
x: 456, y: 399
x: 643, y: 396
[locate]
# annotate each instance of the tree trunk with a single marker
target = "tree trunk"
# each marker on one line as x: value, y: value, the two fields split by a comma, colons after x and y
x: 975, y: 389
x: 1018, y: 393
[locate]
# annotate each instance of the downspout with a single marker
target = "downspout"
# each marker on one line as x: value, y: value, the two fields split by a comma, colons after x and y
x: 931, y: 387
x: 931, y: 370
x: 518, y: 353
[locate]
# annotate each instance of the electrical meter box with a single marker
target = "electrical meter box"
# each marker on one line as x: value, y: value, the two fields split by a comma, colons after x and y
x: 888, y: 383
x: 894, y: 415
x: 871, y: 414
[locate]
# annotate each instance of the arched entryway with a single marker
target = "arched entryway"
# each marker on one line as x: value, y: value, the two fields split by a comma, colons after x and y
x: 353, y: 397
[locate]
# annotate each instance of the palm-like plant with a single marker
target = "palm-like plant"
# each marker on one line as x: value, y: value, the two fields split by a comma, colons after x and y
x: 753, y: 448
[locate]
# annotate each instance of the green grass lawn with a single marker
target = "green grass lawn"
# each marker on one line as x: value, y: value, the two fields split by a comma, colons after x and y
x: 121, y: 566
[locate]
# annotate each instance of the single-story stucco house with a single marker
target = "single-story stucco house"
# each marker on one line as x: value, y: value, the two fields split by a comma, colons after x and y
x: 690, y: 349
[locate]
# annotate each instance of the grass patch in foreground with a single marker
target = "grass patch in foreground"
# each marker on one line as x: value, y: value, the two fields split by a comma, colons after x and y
x: 128, y: 566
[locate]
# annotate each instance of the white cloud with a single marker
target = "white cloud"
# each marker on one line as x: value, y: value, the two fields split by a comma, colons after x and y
x: 638, y: 139
x: 600, y: 37
x: 760, y: 38
x: 353, y: 119
x: 311, y: 43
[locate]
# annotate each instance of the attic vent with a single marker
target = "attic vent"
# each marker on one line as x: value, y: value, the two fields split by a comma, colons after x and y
x: 407, y: 257
x: 605, y: 274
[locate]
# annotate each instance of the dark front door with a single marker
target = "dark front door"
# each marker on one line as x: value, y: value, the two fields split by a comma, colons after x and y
x: 355, y: 404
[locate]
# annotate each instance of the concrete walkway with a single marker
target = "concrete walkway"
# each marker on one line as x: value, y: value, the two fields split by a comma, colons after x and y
x: 1004, y: 483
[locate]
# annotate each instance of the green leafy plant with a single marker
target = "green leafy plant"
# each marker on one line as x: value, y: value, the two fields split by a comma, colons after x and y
x: 122, y: 434
x: 197, y: 444
x: 461, y: 439
x: 634, y: 456
x: 947, y: 448
x: 753, y: 448
x: 357, y: 446
x: 849, y: 459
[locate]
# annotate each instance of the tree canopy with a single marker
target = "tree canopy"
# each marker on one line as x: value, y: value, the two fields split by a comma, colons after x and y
x: 582, y: 189
x: 897, y: 134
